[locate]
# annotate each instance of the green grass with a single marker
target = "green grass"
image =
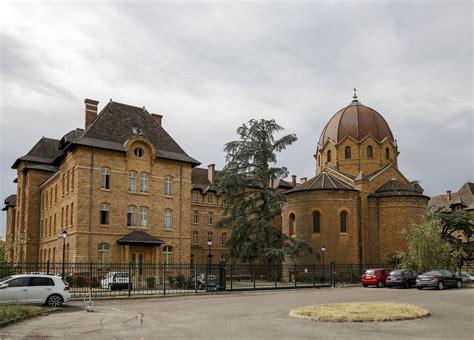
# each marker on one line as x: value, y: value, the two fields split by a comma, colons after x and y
x: 10, y: 312
x: 360, y: 312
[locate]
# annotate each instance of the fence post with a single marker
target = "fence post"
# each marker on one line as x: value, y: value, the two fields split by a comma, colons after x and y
x: 231, y: 274
x: 333, y: 274
x: 274, y: 274
x: 352, y: 279
x: 129, y: 279
x: 314, y: 275
x: 47, y: 267
x: 164, y: 279
x: 294, y: 275
x: 195, y: 279
x: 253, y: 274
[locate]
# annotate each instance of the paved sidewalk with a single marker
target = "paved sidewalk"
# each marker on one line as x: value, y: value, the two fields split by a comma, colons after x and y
x: 254, y: 315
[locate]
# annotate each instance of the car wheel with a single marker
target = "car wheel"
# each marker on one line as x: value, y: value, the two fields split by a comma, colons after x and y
x: 110, y: 287
x: 459, y: 284
x: 440, y: 285
x: 365, y: 286
x: 379, y: 284
x: 54, y: 300
x: 419, y: 288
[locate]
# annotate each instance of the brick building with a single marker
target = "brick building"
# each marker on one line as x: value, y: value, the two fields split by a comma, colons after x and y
x: 125, y: 191
x: 359, y: 201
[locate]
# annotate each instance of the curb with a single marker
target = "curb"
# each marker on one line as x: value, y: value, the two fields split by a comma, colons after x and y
x: 22, y: 318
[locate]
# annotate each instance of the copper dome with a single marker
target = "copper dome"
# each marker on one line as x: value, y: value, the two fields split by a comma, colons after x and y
x: 356, y: 120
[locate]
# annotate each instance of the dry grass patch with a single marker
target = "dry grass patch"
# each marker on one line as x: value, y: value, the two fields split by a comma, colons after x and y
x: 360, y: 312
x: 10, y: 312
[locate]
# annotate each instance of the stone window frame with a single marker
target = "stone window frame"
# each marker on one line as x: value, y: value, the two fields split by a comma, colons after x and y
x: 343, y: 227
x: 168, y: 219
x: 347, y: 152
x: 195, y: 239
x: 103, y: 256
x: 104, y: 213
x: 168, y: 186
x: 195, y: 216
x: 387, y: 153
x: 292, y: 224
x: 132, y: 216
x: 132, y: 181
x: 223, y: 239
x: 370, y: 153
x: 210, y: 234
x: 328, y: 156
x: 167, y: 255
x: 195, y: 196
x: 210, y: 217
x: 143, y: 183
x: 105, y: 178
x: 318, y: 229
x: 143, y: 214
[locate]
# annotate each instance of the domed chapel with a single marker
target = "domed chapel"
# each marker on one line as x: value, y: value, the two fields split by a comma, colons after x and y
x: 359, y: 201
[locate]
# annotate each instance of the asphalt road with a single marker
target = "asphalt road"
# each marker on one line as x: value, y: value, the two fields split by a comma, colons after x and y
x: 254, y: 315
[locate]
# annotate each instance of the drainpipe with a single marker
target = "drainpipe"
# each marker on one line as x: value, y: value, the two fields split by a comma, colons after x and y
x: 90, y: 206
x: 378, y: 229
x: 180, y: 248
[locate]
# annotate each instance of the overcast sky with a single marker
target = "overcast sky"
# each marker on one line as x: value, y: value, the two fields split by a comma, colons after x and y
x: 209, y: 67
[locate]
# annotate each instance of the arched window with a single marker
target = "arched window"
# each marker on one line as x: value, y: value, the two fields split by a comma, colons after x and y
x: 104, y: 213
x: 210, y: 218
x: 329, y: 155
x: 292, y: 225
x: 104, y: 254
x: 369, y: 151
x: 316, y: 222
x: 143, y: 182
x: 132, y: 181
x: 387, y: 153
x: 347, y: 152
x: 168, y: 255
x: 168, y: 185
x: 168, y: 219
x: 131, y: 216
x: 343, y: 222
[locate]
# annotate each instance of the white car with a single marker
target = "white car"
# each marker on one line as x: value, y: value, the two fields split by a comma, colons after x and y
x: 34, y: 289
x: 467, y: 277
x: 115, y: 281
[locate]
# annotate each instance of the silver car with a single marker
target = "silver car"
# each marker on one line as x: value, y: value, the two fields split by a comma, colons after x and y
x: 34, y: 289
x: 438, y: 279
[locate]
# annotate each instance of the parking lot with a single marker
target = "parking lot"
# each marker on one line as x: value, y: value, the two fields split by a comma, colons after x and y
x: 254, y: 315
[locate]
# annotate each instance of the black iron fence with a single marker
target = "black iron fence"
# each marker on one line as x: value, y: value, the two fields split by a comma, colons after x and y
x: 118, y: 279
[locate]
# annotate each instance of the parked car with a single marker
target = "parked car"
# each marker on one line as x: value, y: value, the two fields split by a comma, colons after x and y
x: 80, y: 279
x: 467, y: 277
x: 376, y: 276
x: 200, y: 281
x: 439, y: 279
x: 405, y: 278
x: 34, y: 289
x: 115, y: 281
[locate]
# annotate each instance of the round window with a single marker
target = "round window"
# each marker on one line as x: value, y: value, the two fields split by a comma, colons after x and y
x: 138, y: 152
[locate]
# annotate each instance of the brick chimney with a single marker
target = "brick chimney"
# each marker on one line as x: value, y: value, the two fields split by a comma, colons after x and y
x: 449, y: 195
x: 293, y: 180
x: 91, y: 111
x: 157, y: 118
x: 303, y: 179
x: 211, y: 173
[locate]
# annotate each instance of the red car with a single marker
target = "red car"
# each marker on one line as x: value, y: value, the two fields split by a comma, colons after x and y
x: 376, y: 277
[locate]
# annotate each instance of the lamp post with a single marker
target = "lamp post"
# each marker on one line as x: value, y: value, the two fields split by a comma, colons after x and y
x: 209, y: 244
x: 323, y: 250
x: 63, y: 236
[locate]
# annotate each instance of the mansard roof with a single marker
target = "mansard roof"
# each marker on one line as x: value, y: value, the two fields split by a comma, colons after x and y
x: 323, y: 181
x: 464, y: 196
x: 44, y: 151
x: 200, y: 180
x: 117, y: 122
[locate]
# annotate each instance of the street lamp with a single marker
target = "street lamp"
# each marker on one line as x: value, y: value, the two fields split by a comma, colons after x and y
x: 209, y: 244
x: 63, y: 236
x: 323, y: 250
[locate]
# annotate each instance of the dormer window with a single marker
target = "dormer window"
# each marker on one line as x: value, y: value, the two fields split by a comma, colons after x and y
x: 135, y: 131
x: 138, y: 152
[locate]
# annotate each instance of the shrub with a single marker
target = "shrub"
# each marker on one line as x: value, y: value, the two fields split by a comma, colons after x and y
x: 180, y: 281
x: 171, y: 280
x: 95, y: 282
x: 80, y: 281
x: 69, y: 280
x: 150, y: 282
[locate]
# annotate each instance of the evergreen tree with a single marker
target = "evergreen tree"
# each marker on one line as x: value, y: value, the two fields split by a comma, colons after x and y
x: 253, y: 207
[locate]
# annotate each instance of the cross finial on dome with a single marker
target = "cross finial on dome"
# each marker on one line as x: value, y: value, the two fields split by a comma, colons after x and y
x: 354, y: 97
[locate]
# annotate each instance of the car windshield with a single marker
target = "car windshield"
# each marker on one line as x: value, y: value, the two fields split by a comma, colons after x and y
x: 6, y: 278
x: 121, y: 275
x: 434, y: 272
x: 396, y: 272
x: 369, y: 272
